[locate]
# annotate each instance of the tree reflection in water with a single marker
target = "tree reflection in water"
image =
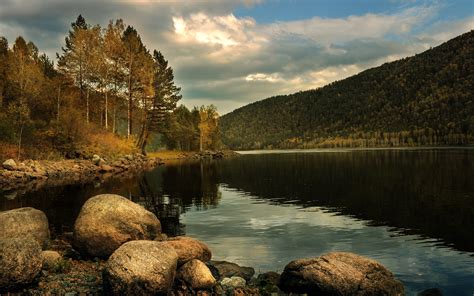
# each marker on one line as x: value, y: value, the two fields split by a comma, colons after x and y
x: 170, y: 191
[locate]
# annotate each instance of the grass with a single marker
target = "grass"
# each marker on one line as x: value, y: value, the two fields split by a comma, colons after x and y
x: 170, y: 154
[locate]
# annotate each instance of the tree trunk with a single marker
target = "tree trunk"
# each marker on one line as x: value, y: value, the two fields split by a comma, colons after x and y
x: 106, y: 111
x: 87, y: 107
x: 129, y: 116
x: 200, y: 141
x: 114, y: 129
x: 130, y: 103
x: 59, y: 103
x: 19, y: 142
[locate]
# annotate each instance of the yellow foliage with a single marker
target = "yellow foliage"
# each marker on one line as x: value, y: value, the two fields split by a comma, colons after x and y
x: 110, y: 145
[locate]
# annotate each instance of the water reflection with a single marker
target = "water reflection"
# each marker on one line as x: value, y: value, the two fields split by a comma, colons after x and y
x: 429, y: 192
x: 412, y: 210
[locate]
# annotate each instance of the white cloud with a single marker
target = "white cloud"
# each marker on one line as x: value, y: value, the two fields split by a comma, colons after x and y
x: 336, y: 30
x: 274, y: 77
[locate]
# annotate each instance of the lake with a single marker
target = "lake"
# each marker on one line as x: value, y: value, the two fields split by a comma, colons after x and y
x: 410, y: 209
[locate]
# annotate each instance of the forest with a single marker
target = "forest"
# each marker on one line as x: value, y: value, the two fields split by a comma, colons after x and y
x: 424, y: 100
x: 106, y: 93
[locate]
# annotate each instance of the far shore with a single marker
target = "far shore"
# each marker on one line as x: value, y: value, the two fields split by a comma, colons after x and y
x: 322, y: 150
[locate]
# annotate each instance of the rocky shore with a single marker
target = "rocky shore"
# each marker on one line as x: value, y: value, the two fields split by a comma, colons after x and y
x: 117, y: 248
x: 16, y: 178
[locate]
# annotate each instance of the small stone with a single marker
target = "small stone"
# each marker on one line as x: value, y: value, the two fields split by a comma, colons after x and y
x: 106, y: 168
x: 189, y: 248
x: 233, y: 282
x: 50, y: 258
x: 229, y: 269
x: 196, y: 274
x: 161, y: 237
x: 9, y: 164
x: 96, y: 159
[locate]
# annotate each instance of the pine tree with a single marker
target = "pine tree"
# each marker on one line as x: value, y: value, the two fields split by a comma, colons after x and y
x: 134, y: 49
x: 166, y: 96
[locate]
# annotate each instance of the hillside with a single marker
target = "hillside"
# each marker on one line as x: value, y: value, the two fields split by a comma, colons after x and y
x: 426, y: 99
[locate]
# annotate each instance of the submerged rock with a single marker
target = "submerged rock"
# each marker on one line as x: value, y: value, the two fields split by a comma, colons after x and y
x: 25, y: 222
x: 189, y: 249
x: 20, y: 262
x: 197, y: 275
x: 229, y: 269
x: 339, y: 273
x: 141, y: 268
x: 107, y: 221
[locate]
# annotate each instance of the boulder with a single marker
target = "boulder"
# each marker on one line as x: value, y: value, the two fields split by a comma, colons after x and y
x: 197, y: 275
x: 107, y: 221
x: 233, y: 282
x: 189, y: 249
x: 20, y: 262
x: 339, y: 273
x: 50, y: 258
x: 9, y: 164
x: 229, y: 269
x: 25, y: 222
x: 141, y: 268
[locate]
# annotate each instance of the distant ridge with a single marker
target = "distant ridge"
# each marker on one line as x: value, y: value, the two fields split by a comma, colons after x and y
x: 426, y: 99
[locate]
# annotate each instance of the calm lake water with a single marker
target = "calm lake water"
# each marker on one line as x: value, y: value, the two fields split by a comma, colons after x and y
x: 412, y: 210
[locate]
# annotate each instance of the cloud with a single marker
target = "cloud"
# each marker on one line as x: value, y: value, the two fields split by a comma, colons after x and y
x: 336, y: 30
x: 230, y: 61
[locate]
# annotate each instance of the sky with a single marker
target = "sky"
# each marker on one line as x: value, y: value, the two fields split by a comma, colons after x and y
x: 233, y: 52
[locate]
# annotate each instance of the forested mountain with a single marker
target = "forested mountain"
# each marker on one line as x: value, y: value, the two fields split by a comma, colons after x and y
x: 426, y: 99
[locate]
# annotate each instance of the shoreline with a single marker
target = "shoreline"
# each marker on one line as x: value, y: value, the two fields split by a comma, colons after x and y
x: 31, y: 175
x: 355, y: 149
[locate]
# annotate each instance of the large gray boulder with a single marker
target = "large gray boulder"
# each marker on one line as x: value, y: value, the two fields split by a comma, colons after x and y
x: 339, y: 273
x: 189, y: 248
x: 141, y: 268
x: 20, y: 262
x: 25, y: 222
x: 107, y: 221
x: 196, y: 274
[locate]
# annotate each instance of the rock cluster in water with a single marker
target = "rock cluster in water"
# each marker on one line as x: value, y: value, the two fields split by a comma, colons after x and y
x: 142, y: 261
